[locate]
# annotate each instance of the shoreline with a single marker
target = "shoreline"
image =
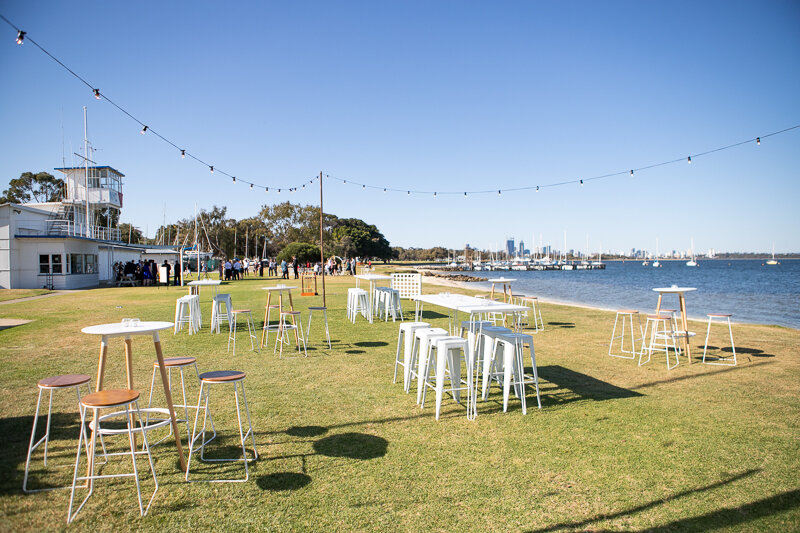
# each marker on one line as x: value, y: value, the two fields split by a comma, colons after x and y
x: 444, y: 282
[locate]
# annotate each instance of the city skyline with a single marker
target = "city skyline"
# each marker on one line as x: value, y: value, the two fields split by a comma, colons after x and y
x: 420, y: 97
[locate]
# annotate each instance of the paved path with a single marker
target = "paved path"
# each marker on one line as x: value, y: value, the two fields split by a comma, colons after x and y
x: 48, y: 295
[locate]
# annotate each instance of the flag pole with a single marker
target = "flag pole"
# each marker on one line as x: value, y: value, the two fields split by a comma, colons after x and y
x: 321, y: 252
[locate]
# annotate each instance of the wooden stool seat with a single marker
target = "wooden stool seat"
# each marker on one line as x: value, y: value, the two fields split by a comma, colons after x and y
x: 628, y: 311
x: 108, y: 398
x: 240, y: 311
x: 66, y: 380
x: 176, y: 361
x: 290, y: 312
x: 318, y: 308
x: 222, y: 375
x: 659, y: 317
x: 723, y: 315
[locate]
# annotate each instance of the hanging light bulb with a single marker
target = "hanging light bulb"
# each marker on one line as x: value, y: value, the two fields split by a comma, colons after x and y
x: 232, y: 177
x: 304, y: 185
x: 384, y: 190
x: 20, y: 37
x: 758, y: 141
x: 408, y: 192
x: 97, y: 94
x: 144, y: 130
x: 631, y: 172
x: 689, y: 160
x: 537, y: 188
x: 465, y: 193
x: 363, y: 186
x: 211, y: 168
x: 498, y: 192
x: 251, y: 185
x: 581, y: 183
x: 434, y: 195
x: 183, y: 154
x: 279, y: 191
x: 266, y: 189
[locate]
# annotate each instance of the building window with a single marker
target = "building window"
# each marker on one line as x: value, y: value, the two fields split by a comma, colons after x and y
x: 55, y: 262
x: 44, y: 264
x: 76, y: 263
x: 91, y: 264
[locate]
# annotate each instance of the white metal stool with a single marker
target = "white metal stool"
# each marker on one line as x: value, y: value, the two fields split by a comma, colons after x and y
x: 513, y: 368
x: 406, y: 338
x: 217, y: 314
x: 449, y: 350
x: 268, y: 325
x: 627, y: 316
x: 290, y: 321
x: 235, y: 378
x: 662, y: 338
x: 358, y: 302
x: 179, y: 363
x: 187, y: 311
x: 122, y: 399
x: 325, y: 317
x: 54, y: 383
x: 390, y: 303
x: 251, y: 328
x: 723, y: 361
x: 533, y: 302
x: 419, y: 355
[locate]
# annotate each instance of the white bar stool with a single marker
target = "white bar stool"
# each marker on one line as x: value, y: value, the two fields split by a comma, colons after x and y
x: 662, y: 338
x: 187, y: 312
x: 390, y: 304
x: 217, y: 314
x: 179, y: 363
x: 627, y: 316
x: 251, y: 329
x: 325, y: 317
x: 723, y: 361
x: 449, y: 350
x: 406, y: 337
x: 533, y: 302
x: 231, y: 377
x: 268, y: 325
x: 54, y: 383
x: 112, y: 399
x: 513, y: 368
x: 419, y: 355
x: 284, y: 326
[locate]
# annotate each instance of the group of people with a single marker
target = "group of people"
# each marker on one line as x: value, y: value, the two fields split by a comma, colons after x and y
x: 145, y: 272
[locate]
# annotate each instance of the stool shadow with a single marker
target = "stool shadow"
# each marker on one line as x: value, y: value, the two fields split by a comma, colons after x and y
x: 352, y: 445
x: 306, y: 431
x: 370, y: 344
x: 755, y: 352
x: 562, y: 324
x: 579, y: 386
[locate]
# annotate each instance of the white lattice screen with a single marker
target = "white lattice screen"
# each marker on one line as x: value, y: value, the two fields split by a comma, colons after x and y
x: 408, y: 284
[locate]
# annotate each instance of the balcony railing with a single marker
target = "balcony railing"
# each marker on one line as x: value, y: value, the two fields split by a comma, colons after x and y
x: 66, y: 228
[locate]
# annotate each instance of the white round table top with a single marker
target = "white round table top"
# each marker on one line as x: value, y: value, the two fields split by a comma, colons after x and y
x: 205, y: 282
x: 279, y: 288
x: 117, y: 328
x: 501, y: 280
x: 372, y: 277
x: 675, y: 288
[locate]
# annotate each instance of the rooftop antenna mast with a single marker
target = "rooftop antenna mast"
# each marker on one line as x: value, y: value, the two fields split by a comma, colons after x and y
x: 86, y: 165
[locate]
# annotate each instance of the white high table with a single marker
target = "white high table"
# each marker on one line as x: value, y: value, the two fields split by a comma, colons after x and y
x: 108, y: 331
x: 682, y: 301
x: 505, y: 282
x: 280, y: 289
x: 460, y: 303
x: 214, y: 283
x: 372, y: 278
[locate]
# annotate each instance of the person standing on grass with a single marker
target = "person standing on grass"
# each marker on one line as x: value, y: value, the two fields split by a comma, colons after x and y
x: 167, y: 266
x: 177, y: 273
x: 284, y: 269
x: 237, y: 268
x: 228, y: 269
x: 245, y: 266
x: 296, y: 266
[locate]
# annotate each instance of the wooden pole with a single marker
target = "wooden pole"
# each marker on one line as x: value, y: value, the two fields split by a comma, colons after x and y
x: 321, y: 252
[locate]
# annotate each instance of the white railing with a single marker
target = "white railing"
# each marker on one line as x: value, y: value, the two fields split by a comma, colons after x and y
x: 66, y: 227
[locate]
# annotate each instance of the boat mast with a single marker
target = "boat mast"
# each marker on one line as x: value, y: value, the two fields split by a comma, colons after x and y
x: 86, y: 165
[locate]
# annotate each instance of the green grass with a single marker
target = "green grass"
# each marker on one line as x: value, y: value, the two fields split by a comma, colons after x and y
x: 13, y: 294
x: 615, y: 447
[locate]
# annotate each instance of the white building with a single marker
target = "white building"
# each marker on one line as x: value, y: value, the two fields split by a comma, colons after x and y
x: 63, y: 245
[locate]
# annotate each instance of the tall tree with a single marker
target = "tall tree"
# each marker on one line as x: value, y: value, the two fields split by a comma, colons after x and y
x: 33, y: 188
x: 353, y: 236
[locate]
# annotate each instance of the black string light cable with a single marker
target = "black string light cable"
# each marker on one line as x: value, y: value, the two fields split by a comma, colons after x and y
x: 23, y: 37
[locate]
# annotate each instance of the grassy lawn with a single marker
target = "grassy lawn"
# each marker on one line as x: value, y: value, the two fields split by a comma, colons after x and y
x: 615, y: 447
x: 13, y: 294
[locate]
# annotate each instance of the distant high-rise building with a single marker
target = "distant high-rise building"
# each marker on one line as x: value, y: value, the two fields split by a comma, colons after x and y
x: 521, y: 249
x: 510, y: 247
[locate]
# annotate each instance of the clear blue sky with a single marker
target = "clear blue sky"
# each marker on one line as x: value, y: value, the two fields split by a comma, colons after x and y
x: 443, y: 96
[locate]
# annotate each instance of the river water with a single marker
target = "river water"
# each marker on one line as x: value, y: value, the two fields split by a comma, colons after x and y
x: 749, y: 289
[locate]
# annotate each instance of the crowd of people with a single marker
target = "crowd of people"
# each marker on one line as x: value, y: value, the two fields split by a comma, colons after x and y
x: 146, y: 272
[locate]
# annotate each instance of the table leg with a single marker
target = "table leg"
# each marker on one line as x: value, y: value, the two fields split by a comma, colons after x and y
x: 658, y: 305
x: 101, y: 370
x: 491, y: 294
x: 129, y: 372
x: 685, y: 327
x: 291, y: 305
x: 168, y: 395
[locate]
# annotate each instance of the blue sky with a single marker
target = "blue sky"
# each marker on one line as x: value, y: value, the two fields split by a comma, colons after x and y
x: 434, y: 96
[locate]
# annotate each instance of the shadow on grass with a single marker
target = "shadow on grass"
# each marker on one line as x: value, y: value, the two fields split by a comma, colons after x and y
x: 431, y: 315
x: 712, y: 520
x: 306, y: 431
x: 279, y: 481
x: 565, y: 325
x: 755, y: 352
x: 370, y: 344
x: 353, y: 445
x: 580, y: 386
x: 693, y: 376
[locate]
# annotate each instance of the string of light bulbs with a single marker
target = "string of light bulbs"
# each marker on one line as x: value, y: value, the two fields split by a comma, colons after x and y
x: 23, y: 37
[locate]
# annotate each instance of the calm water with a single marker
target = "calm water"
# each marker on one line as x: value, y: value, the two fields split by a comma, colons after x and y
x: 750, y: 290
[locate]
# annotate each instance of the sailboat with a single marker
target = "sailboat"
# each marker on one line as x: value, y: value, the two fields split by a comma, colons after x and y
x: 656, y: 263
x: 692, y: 262
x: 772, y: 261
